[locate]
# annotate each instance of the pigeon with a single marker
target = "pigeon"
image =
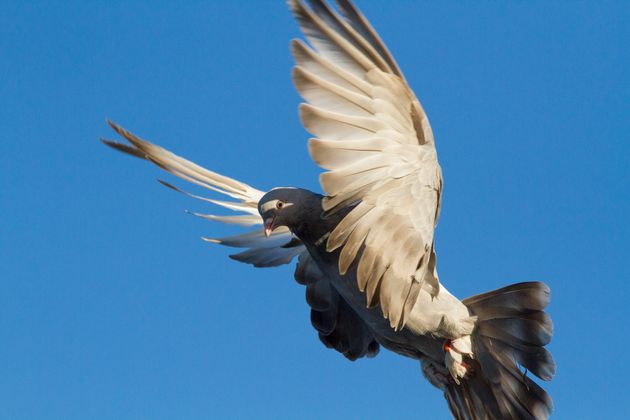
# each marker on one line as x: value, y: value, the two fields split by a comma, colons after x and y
x: 365, y: 248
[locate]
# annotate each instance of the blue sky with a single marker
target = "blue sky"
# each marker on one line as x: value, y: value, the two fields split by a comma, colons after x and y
x: 111, y: 307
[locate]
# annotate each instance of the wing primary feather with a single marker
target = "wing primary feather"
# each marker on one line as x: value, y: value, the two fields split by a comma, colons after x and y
x: 179, y: 166
x: 133, y: 151
x: 229, y: 205
x: 246, y: 220
x: 279, y: 249
x: 322, y: 9
x: 304, y: 79
x: 307, y: 58
x: 363, y: 26
x: 312, y: 23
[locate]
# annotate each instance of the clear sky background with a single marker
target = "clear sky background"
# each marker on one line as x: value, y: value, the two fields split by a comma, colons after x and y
x: 111, y: 307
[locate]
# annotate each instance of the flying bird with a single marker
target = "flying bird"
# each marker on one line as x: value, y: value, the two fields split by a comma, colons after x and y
x: 365, y: 248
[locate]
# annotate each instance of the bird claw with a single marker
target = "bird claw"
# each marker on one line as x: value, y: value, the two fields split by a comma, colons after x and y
x: 455, y: 350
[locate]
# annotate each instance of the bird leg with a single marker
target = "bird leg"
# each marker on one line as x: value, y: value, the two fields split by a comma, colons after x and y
x: 454, y: 352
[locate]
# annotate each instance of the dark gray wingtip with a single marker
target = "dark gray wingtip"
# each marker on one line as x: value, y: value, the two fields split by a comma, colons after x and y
x: 124, y: 148
x: 113, y: 125
x: 168, y: 185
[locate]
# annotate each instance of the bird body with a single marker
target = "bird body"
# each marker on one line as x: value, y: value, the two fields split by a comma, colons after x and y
x: 312, y: 231
x: 365, y: 248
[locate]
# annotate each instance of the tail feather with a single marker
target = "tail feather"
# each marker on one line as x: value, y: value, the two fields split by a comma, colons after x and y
x: 535, y: 359
x: 533, y: 296
x: 512, y: 330
x: 472, y: 399
x: 533, y: 327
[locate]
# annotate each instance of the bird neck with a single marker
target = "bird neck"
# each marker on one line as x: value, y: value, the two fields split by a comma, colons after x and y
x: 312, y: 225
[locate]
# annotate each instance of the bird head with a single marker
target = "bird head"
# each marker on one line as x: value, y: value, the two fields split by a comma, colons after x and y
x: 282, y: 207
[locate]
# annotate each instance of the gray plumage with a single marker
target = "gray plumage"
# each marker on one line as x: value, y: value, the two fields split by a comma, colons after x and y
x: 365, y: 249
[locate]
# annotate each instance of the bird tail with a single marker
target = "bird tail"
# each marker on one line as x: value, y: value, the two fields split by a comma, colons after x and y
x: 508, y: 341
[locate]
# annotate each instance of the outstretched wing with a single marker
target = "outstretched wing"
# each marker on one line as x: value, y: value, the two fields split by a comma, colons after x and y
x: 374, y: 138
x: 338, y: 325
x: 260, y: 251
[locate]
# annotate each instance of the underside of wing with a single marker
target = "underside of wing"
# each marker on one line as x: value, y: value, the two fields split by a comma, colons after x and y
x: 338, y: 326
x: 260, y: 251
x: 374, y: 138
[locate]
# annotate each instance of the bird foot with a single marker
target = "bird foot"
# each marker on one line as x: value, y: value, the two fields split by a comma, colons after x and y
x: 455, y: 351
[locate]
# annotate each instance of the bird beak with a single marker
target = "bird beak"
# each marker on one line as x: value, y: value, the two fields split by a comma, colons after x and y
x: 269, y: 226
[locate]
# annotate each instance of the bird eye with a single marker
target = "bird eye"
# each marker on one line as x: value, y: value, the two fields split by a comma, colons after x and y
x: 279, y: 204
